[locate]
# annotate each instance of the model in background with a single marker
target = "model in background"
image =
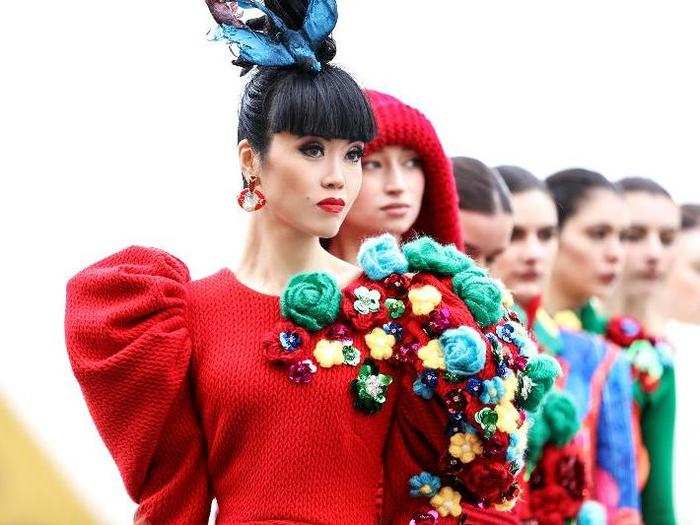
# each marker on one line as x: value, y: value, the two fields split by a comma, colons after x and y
x: 407, y: 185
x: 638, y: 326
x: 575, y: 431
x: 484, y: 210
x: 679, y: 304
x: 592, y: 222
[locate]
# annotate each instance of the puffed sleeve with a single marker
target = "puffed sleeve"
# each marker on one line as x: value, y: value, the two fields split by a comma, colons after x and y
x: 130, y: 349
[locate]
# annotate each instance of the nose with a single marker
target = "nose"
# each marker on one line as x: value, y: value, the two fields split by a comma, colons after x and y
x: 334, y: 176
x: 533, y: 250
x: 654, y: 250
x: 395, y: 180
x: 614, y: 250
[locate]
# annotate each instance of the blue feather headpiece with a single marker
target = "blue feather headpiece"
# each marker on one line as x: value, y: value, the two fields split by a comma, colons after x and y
x: 287, y: 47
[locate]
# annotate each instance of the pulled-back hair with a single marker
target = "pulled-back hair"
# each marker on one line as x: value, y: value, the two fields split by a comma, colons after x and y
x: 569, y: 188
x: 479, y: 187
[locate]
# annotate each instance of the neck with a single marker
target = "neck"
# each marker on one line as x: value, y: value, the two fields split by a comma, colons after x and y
x: 346, y: 244
x: 274, y: 251
x: 641, y: 307
x: 556, y: 299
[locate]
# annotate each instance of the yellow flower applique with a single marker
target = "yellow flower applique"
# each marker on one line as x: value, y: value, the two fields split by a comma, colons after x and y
x: 447, y: 502
x: 329, y: 353
x: 424, y: 299
x: 381, y: 344
x: 465, y: 447
x: 432, y: 355
x: 511, y: 384
x: 508, y: 417
x: 568, y: 319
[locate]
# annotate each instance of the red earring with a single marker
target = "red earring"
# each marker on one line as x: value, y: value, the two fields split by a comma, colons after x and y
x: 249, y: 198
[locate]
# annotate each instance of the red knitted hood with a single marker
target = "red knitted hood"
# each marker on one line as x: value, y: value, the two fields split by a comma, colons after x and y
x: 402, y: 125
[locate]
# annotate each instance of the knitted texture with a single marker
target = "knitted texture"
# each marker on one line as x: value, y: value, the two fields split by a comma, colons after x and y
x: 482, y: 295
x: 424, y: 254
x: 402, y: 125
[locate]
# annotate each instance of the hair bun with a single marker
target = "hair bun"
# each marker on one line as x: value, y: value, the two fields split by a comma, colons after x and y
x: 326, y: 50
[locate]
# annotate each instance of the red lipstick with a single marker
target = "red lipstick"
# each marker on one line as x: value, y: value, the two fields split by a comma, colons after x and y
x: 331, y: 205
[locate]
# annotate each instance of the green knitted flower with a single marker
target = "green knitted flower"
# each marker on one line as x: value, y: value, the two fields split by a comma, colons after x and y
x: 480, y: 293
x: 540, y: 374
x: 311, y: 300
x: 424, y: 254
x: 559, y: 412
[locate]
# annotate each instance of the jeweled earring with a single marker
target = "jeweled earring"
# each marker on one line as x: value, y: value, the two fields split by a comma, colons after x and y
x: 249, y: 198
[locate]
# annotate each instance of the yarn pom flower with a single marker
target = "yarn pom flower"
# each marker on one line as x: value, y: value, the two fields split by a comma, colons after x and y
x: 481, y: 294
x: 542, y: 371
x: 424, y: 299
x: 490, y: 479
x: 465, y: 447
x: 464, y: 351
x: 329, y: 353
x: 432, y: 355
x: 363, y: 305
x: 381, y: 256
x: 424, y: 485
x: 492, y: 391
x: 508, y: 417
x: 381, y: 344
x: 592, y: 513
x: 424, y: 254
x: 647, y: 367
x: 311, y: 299
x: 447, y: 502
x: 624, y: 330
x: 370, y: 388
x: 285, y: 343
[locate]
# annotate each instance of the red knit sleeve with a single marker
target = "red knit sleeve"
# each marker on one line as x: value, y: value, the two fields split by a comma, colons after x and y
x: 128, y: 342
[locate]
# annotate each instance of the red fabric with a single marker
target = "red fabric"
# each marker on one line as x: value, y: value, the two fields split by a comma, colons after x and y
x: 400, y: 124
x: 183, y: 392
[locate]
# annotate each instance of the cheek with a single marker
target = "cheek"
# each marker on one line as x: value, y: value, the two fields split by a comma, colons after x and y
x: 416, y: 185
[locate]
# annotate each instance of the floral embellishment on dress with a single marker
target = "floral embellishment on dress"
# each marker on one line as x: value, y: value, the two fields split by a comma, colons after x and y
x: 367, y: 301
x: 438, y: 321
x: 424, y: 254
x: 329, y: 353
x: 370, y: 388
x: 481, y: 294
x: 396, y: 307
x: 380, y: 344
x: 302, y: 371
x: 464, y: 351
x: 381, y: 256
x: 424, y: 299
x: 311, y: 300
x: 424, y: 385
x: 424, y: 518
x: 424, y: 485
x: 397, y: 285
x: 487, y: 419
x: 432, y: 355
x: 492, y: 391
x: 465, y: 447
x: 447, y: 502
x: 624, y: 330
x: 285, y: 343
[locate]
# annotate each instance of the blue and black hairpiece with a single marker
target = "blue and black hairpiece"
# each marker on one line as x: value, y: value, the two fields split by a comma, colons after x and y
x: 284, y: 46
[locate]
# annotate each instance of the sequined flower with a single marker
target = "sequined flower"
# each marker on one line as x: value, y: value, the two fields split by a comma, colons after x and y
x: 381, y: 344
x: 366, y: 301
x: 424, y: 385
x: 424, y: 299
x: 438, y: 321
x: 351, y: 355
x: 395, y: 329
x: 493, y: 390
x: 395, y: 307
x: 465, y: 447
x: 381, y: 256
x: 363, y: 305
x: 424, y: 518
x: 370, y: 388
x: 311, y: 299
x: 424, y: 485
x: 475, y: 386
x: 329, y: 353
x: 464, y: 351
x: 432, y: 355
x: 487, y: 418
x: 338, y: 332
x: 447, y: 502
x: 285, y: 343
x: 302, y: 371
x: 397, y: 285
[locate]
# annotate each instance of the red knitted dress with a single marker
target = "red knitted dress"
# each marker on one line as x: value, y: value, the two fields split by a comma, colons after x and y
x: 200, y: 389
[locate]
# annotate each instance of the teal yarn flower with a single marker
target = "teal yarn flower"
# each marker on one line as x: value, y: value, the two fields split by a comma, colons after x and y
x: 381, y: 256
x: 464, y: 351
x: 540, y: 373
x: 592, y: 513
x: 424, y: 254
x: 559, y: 413
x: 311, y: 300
x: 424, y: 485
x: 481, y: 294
x: 492, y: 391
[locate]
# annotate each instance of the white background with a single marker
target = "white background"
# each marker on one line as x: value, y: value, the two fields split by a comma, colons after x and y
x: 117, y: 126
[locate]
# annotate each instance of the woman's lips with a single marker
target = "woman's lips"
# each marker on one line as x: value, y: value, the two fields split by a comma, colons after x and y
x: 530, y: 276
x: 334, y: 206
x: 398, y: 209
x: 608, y: 278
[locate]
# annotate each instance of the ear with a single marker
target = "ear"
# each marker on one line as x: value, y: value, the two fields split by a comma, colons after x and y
x: 249, y: 160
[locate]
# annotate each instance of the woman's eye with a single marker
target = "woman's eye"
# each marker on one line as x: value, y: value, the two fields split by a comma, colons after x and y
x: 355, y: 154
x: 598, y: 233
x: 413, y: 163
x: 518, y: 234
x: 667, y: 238
x: 371, y: 165
x: 634, y: 234
x: 312, y: 150
x: 545, y: 234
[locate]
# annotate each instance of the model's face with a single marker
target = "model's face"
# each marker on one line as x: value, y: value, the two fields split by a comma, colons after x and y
x: 526, y: 264
x: 654, y: 224
x: 591, y: 250
x: 485, y: 236
x: 392, y: 192
x: 683, y: 285
x: 310, y: 183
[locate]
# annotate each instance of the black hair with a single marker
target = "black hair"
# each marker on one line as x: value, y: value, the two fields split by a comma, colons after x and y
x: 690, y: 216
x: 479, y: 187
x: 520, y: 180
x: 327, y: 104
x: 569, y: 188
x: 644, y: 185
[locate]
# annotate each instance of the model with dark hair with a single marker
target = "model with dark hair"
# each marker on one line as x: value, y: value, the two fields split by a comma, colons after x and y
x: 484, y: 209
x: 287, y: 389
x: 587, y: 267
x: 654, y: 223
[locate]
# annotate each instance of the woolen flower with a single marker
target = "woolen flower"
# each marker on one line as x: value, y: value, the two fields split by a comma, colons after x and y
x: 464, y: 351
x: 381, y: 256
x: 311, y: 299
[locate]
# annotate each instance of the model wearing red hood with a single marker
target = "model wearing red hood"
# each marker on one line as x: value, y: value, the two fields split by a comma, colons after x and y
x: 401, y: 125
